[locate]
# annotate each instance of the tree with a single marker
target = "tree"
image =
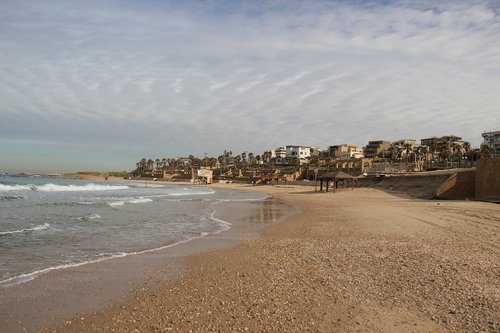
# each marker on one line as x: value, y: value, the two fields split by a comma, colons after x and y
x: 150, y: 164
x: 407, y: 150
x: 484, y: 151
x: 444, y: 150
x: 433, y: 147
x: 251, y: 159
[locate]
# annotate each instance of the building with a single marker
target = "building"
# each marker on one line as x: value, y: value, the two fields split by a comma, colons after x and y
x: 280, y: 152
x: 344, y: 151
x: 403, y: 147
x: 301, y: 152
x: 289, y: 154
x: 403, y: 142
x: 492, y: 141
x: 447, y: 139
x: 376, y: 148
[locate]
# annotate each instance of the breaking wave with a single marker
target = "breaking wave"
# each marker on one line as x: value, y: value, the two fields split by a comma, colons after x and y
x: 38, y: 227
x: 132, y: 201
x: 10, y: 197
x: 62, y: 188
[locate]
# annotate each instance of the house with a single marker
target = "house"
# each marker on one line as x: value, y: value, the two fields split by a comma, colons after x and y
x: 291, y: 153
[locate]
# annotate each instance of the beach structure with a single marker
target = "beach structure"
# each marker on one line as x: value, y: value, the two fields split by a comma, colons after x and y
x: 205, y: 176
x: 268, y: 179
x: 336, y: 177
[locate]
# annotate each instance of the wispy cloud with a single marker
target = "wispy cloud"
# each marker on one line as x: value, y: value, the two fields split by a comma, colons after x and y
x: 170, y: 78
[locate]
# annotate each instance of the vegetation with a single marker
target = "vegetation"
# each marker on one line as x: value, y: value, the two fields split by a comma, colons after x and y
x: 447, y: 151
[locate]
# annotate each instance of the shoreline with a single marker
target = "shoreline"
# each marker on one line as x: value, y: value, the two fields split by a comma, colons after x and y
x: 361, y: 260
x: 61, y: 294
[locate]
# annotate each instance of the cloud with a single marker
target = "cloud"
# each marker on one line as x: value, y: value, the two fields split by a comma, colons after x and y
x: 204, y: 76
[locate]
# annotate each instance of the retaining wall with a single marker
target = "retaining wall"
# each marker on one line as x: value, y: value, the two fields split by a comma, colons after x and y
x: 488, y: 179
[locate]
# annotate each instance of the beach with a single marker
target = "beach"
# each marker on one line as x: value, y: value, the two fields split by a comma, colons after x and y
x: 361, y: 260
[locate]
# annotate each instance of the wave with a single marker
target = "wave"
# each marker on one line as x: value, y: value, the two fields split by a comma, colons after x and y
x: 88, y: 217
x: 146, y: 185
x: 62, y: 188
x: 36, y: 228
x: 132, y: 201
x: 10, y: 197
x: 189, y: 192
x: 22, y: 278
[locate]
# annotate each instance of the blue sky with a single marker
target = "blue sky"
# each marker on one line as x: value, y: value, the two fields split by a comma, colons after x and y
x: 96, y: 85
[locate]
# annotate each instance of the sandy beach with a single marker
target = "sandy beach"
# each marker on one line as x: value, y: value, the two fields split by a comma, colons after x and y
x: 360, y: 260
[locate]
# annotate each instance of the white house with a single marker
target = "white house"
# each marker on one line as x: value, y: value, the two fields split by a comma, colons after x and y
x: 285, y: 155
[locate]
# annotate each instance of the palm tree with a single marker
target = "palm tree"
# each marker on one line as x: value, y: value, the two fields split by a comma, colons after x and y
x: 142, y: 166
x: 150, y: 164
x: 467, y: 149
x: 433, y: 147
x: 251, y: 159
x: 444, y: 150
x: 456, y: 151
x: 408, y: 150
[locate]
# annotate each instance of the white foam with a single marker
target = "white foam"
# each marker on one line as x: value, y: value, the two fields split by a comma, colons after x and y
x: 36, y: 228
x: 147, y: 185
x: 62, y: 188
x: 14, y: 187
x: 140, y: 200
x: 30, y: 276
x: 187, y: 192
x: 89, y: 217
x: 130, y: 200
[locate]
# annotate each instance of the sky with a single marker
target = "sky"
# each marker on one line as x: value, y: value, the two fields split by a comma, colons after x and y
x: 97, y: 85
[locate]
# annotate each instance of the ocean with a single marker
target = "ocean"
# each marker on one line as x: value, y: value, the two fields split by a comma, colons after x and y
x: 52, y: 223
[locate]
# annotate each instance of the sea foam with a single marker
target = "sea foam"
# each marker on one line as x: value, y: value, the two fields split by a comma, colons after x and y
x: 62, y: 188
x: 36, y: 228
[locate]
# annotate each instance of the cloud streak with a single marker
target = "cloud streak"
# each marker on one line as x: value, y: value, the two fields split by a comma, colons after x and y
x: 167, y: 79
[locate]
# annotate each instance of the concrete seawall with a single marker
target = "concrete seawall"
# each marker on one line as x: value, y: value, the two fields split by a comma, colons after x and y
x: 459, y: 186
x: 421, y: 186
x: 482, y: 183
x: 488, y: 179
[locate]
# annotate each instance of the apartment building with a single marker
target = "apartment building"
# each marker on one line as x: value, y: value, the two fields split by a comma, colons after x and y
x: 345, y: 151
x: 376, y: 148
x: 492, y: 141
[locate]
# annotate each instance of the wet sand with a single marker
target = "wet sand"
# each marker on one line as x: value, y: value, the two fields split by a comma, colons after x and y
x: 61, y: 295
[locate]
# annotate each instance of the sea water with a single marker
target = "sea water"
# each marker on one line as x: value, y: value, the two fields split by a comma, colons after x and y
x: 52, y: 223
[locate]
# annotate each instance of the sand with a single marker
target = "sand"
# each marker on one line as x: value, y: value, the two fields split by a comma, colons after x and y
x: 361, y: 260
